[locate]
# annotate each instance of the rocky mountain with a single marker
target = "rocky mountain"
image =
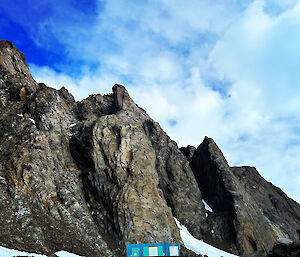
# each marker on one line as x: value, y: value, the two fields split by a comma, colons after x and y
x: 90, y: 176
x: 249, y: 213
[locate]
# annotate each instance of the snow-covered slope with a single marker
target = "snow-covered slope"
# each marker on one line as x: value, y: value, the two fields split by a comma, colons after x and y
x: 5, y: 252
x: 199, y: 246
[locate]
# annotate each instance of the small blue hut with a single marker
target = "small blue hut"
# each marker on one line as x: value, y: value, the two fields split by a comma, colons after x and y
x: 155, y: 249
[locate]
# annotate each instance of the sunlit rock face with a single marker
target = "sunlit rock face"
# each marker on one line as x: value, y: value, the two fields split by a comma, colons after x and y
x: 86, y: 177
x: 89, y: 177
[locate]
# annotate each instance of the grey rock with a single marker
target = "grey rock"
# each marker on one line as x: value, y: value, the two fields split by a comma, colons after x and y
x: 89, y: 177
x: 284, y: 247
x: 242, y: 220
x: 280, y: 211
x: 188, y: 152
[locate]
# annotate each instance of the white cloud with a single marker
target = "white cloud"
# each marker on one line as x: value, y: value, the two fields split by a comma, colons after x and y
x: 80, y: 87
x: 169, y: 54
x: 262, y: 50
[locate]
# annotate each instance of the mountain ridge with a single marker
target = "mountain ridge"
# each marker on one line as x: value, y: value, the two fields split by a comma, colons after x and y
x: 91, y: 176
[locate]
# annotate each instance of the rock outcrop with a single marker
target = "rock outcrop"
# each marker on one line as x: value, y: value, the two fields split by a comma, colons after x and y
x: 285, y: 248
x: 249, y: 214
x: 280, y: 211
x: 89, y: 177
x: 86, y: 177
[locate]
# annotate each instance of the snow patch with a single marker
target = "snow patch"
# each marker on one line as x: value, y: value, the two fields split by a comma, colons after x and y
x: 58, y: 97
x: 198, y: 246
x: 72, y: 125
x: 20, y: 114
x: 6, y: 252
x: 66, y: 254
x: 207, y: 207
x: 32, y: 120
x: 285, y: 241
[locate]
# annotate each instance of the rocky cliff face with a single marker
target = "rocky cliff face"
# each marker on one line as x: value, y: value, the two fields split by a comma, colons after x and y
x: 249, y: 213
x: 90, y: 176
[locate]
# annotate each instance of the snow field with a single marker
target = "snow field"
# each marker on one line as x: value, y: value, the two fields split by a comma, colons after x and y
x: 199, y: 246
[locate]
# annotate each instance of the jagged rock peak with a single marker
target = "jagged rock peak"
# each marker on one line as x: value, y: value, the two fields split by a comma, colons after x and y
x: 16, y: 81
x: 213, y: 148
x: 99, y: 171
x: 249, y: 213
x: 122, y: 98
x: 90, y: 176
x: 5, y: 44
x: 188, y: 151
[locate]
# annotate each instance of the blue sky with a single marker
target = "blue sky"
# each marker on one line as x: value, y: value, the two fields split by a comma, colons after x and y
x: 225, y: 69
